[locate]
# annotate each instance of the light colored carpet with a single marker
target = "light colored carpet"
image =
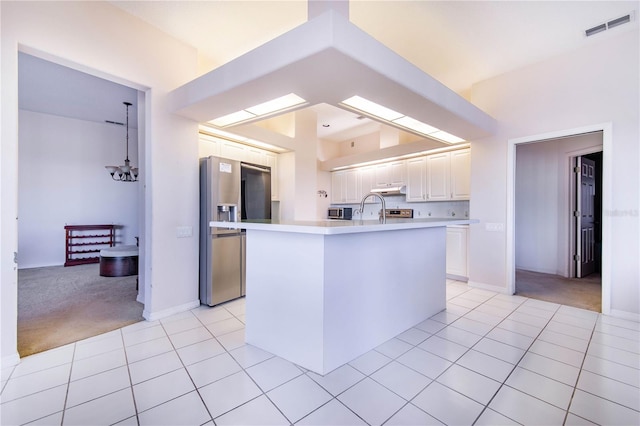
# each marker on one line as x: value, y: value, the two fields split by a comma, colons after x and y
x: 58, y: 305
x: 585, y: 293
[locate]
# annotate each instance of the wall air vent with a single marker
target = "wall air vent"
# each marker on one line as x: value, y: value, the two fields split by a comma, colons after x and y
x: 621, y: 20
x: 595, y: 30
x: 609, y: 25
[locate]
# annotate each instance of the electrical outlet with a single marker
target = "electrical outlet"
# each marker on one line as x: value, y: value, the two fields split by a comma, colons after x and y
x: 494, y: 227
x: 184, y: 231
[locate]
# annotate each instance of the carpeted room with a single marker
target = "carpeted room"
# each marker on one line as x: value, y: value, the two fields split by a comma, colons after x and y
x: 71, y: 125
x: 58, y: 305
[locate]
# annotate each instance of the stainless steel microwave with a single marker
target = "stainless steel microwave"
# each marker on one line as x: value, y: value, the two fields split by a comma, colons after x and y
x: 339, y: 213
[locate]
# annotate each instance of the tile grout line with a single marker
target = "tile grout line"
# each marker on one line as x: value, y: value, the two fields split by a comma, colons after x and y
x: 575, y: 386
x: 133, y: 397
x: 206, y: 407
x: 486, y: 406
x: 66, y: 395
x: 445, y: 325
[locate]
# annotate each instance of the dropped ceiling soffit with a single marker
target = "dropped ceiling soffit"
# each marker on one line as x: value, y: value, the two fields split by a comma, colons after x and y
x: 327, y: 60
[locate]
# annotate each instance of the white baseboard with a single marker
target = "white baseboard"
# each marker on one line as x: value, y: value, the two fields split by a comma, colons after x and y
x: 153, y: 316
x: 631, y: 316
x: 457, y: 278
x: 483, y: 286
x: 10, y: 360
x: 140, y: 299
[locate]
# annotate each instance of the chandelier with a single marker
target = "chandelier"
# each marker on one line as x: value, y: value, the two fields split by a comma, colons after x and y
x: 125, y: 173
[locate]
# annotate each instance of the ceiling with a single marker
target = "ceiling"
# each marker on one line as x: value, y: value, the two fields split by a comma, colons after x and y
x: 458, y: 43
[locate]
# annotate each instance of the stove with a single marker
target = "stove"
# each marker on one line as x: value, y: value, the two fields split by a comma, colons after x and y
x: 399, y: 213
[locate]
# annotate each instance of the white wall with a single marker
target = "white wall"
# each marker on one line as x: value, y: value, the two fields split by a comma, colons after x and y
x: 543, y: 202
x: 364, y: 143
x: 100, y: 39
x: 62, y: 181
x: 596, y: 84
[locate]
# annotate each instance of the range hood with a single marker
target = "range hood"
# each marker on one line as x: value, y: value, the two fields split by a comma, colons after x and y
x: 327, y: 60
x: 390, y: 190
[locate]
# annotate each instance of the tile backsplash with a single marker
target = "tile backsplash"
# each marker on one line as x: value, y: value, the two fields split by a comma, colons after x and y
x: 440, y: 209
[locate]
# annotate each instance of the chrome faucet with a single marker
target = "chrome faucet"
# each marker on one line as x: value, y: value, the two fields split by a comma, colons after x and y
x: 382, y: 216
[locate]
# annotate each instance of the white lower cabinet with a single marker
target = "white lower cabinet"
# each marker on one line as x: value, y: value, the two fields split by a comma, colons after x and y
x: 457, y: 251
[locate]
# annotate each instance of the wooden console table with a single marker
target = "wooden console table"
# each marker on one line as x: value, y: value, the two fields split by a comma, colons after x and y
x: 81, y: 241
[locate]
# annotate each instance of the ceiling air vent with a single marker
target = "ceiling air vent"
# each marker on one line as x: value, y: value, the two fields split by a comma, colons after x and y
x: 609, y: 25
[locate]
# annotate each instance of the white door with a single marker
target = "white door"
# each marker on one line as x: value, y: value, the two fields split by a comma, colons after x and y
x: 585, y: 232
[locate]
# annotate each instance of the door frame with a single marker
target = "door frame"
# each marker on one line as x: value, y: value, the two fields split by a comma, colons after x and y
x: 607, y: 138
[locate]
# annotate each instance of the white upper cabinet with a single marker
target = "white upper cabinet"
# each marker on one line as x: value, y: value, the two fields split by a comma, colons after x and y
x: 417, y: 179
x: 390, y: 174
x: 337, y: 188
x: 345, y: 187
x: 367, y: 182
x: 461, y: 174
x: 449, y: 175
x: 209, y: 146
x: 236, y: 151
x: 232, y: 151
x: 254, y: 155
x: 438, y: 177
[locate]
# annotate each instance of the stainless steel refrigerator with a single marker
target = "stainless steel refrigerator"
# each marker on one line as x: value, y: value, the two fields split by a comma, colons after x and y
x: 230, y: 191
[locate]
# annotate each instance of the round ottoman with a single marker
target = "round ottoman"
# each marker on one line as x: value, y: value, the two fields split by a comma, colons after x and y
x: 119, y: 261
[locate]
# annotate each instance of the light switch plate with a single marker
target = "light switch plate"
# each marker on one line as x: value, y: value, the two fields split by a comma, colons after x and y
x: 494, y: 227
x: 184, y: 231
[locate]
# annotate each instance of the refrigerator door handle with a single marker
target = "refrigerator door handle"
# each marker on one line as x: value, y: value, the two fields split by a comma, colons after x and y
x: 256, y: 167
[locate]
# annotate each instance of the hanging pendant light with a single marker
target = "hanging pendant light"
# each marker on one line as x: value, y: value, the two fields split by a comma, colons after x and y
x: 124, y: 173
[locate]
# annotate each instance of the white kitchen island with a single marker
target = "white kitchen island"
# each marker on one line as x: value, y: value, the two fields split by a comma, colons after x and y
x: 320, y: 294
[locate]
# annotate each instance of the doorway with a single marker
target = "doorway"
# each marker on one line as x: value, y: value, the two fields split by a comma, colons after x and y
x: 541, y: 221
x: 64, y: 144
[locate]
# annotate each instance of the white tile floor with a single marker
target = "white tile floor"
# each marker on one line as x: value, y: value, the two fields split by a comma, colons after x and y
x: 489, y: 359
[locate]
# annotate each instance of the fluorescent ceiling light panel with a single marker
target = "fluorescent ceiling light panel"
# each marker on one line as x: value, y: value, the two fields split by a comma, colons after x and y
x: 399, y: 119
x: 446, y: 137
x: 234, y: 117
x: 372, y: 108
x: 217, y: 133
x: 283, y: 102
x: 224, y: 134
x: 278, y: 104
x: 413, y: 124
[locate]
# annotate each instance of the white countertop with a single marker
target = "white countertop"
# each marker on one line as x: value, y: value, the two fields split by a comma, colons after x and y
x: 336, y: 227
